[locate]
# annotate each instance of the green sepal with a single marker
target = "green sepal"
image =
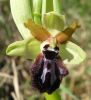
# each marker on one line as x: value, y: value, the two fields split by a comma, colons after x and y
x: 54, y: 21
x: 28, y: 48
x: 71, y: 53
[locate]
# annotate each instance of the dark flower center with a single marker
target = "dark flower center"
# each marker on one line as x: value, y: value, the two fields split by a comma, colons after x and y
x: 50, y: 54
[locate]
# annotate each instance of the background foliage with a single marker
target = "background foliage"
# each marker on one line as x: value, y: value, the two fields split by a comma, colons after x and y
x: 77, y: 86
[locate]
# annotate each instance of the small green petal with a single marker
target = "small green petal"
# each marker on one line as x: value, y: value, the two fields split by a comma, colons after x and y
x: 28, y: 48
x: 53, y: 21
x: 71, y: 53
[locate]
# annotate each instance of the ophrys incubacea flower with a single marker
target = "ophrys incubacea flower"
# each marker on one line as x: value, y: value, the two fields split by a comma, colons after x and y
x: 48, y: 51
x: 48, y: 68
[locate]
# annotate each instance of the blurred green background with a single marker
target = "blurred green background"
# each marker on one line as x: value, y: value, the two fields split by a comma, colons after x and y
x: 76, y: 86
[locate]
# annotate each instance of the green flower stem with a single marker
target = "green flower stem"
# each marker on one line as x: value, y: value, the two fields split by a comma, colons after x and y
x: 43, y: 9
x: 47, y: 6
x: 57, y: 6
x: 54, y: 96
x: 37, y: 7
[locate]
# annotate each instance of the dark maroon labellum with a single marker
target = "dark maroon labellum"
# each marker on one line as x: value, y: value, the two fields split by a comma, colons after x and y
x: 47, y: 73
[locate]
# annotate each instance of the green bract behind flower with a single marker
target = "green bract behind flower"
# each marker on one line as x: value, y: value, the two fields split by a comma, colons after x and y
x: 21, y: 11
x: 53, y: 21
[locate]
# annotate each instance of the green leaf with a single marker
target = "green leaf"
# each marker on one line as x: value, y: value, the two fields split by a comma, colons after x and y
x: 71, y: 53
x: 21, y: 11
x: 54, y: 21
x: 28, y: 48
x: 54, y: 96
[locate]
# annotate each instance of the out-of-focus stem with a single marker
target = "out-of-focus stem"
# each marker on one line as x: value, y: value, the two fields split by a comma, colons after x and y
x: 57, y: 6
x: 47, y: 6
x: 43, y: 7
x: 37, y: 7
x: 54, y: 96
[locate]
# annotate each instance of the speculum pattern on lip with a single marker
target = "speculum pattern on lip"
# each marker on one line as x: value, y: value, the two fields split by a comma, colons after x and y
x: 46, y: 75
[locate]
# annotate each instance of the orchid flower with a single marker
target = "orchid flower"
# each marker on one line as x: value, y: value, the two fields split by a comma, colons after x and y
x: 41, y: 23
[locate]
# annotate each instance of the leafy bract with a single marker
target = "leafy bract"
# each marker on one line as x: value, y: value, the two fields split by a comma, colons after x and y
x: 21, y: 11
x: 71, y: 53
x: 52, y: 20
x: 28, y: 48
